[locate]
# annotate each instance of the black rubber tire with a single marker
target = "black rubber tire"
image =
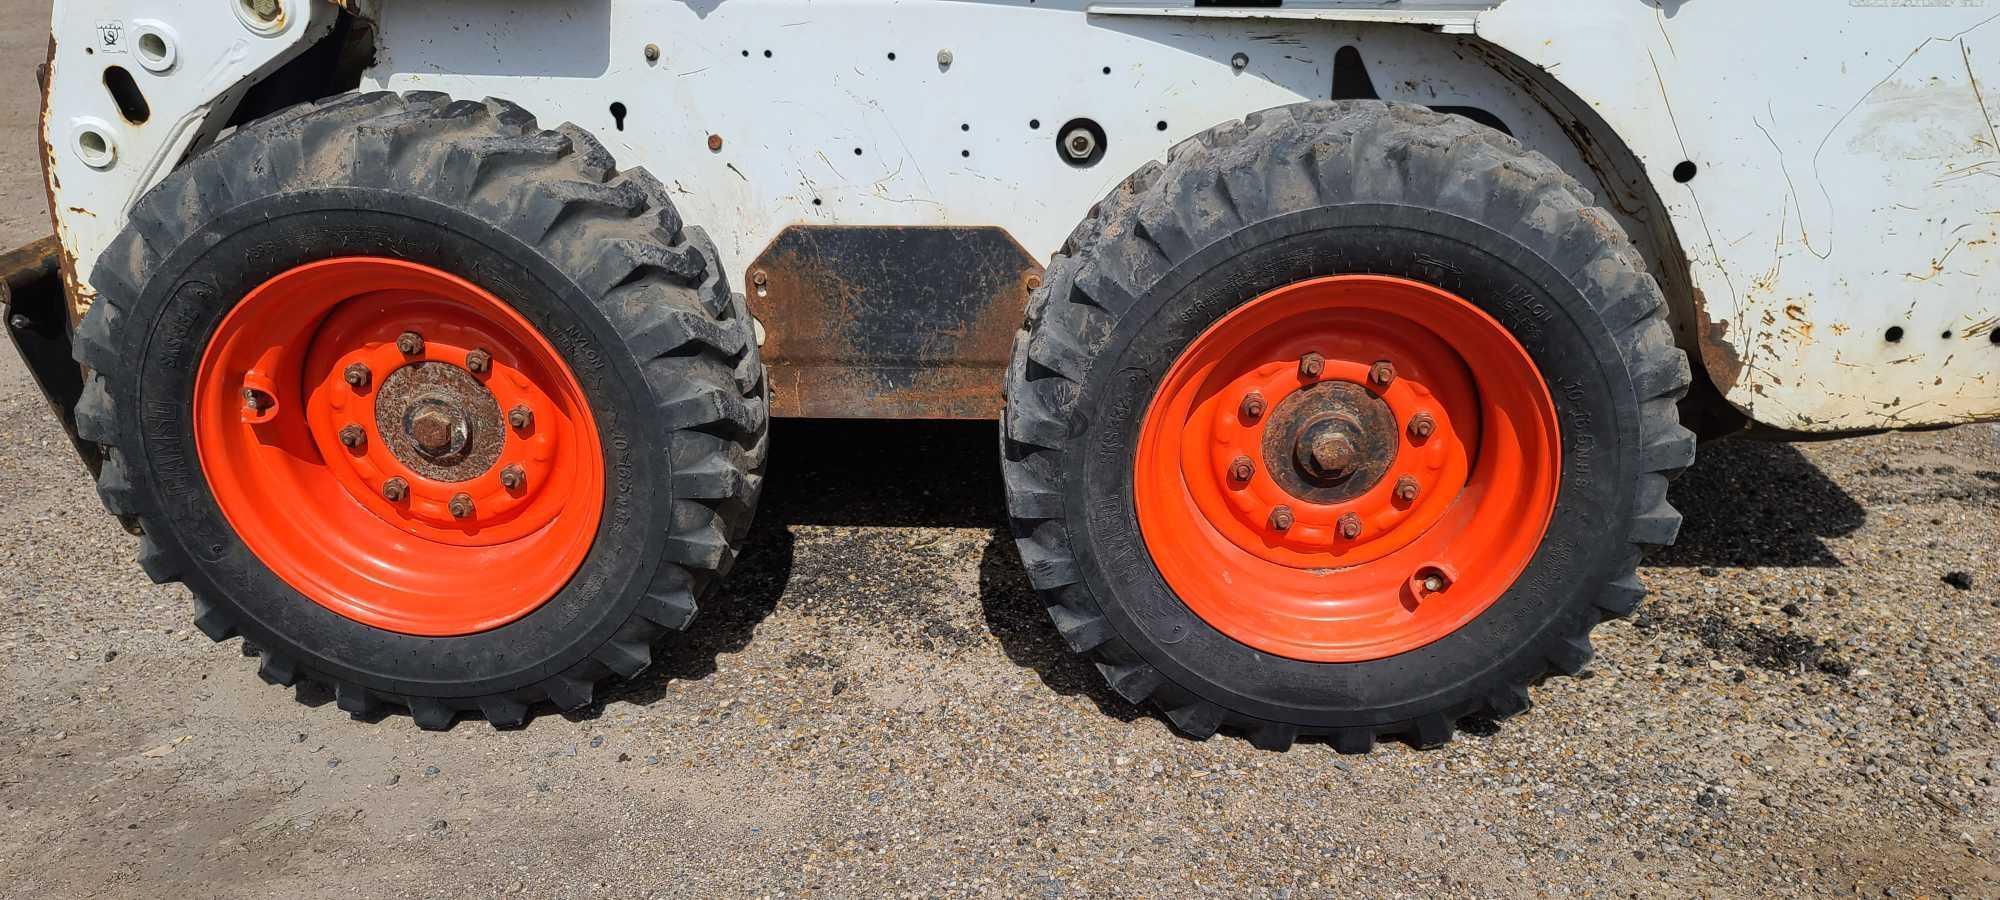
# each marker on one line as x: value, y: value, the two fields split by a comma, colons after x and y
x: 1300, y: 192
x: 595, y: 258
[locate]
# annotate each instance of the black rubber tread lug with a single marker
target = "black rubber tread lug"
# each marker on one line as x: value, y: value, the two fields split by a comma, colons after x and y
x: 626, y: 658
x: 355, y: 700
x: 114, y: 486
x: 1508, y: 702
x: 95, y: 420
x: 1197, y: 719
x: 502, y: 711
x: 1133, y: 681
x: 1571, y: 654
x: 1273, y: 736
x: 212, y: 622
x: 569, y: 693
x: 1353, y: 741
x: 1083, y: 633
x: 431, y: 714
x: 1431, y: 731
x: 159, y: 566
x: 278, y: 670
x: 1621, y: 595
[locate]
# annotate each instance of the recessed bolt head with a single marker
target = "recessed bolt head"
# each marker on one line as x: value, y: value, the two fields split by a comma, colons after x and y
x: 521, y: 417
x: 1311, y: 365
x: 1079, y: 143
x: 760, y: 278
x: 352, y: 436
x: 477, y: 361
x: 513, y: 477
x: 1350, y: 526
x: 1281, y: 519
x: 944, y: 59
x: 715, y: 143
x: 410, y: 342
x: 1242, y: 469
x: 357, y: 375
x: 1421, y: 425
x: 265, y: 10
x: 652, y: 53
x: 461, y: 505
x: 1381, y: 373
x: 1240, y: 61
x: 395, y: 489
x: 1407, y: 488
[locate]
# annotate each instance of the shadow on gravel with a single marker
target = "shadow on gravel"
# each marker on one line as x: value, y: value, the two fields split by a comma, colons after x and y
x: 876, y: 474
x: 1750, y: 503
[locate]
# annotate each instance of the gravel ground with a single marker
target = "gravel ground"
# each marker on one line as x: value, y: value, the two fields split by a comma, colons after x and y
x: 877, y: 706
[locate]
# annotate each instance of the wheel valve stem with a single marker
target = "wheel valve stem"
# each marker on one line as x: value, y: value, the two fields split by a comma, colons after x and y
x: 1350, y: 526
x: 1433, y: 584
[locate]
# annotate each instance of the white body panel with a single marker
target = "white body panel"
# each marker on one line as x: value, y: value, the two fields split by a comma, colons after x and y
x: 1848, y: 168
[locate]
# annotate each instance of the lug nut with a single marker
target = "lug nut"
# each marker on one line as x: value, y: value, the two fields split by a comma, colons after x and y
x: 352, y: 437
x: 1421, y: 425
x: 521, y: 417
x: 357, y: 376
x: 461, y: 505
x: 1311, y: 364
x: 1281, y: 519
x: 1382, y: 373
x: 513, y: 477
x: 1242, y: 470
x: 395, y: 489
x: 1350, y: 526
x: 477, y: 361
x: 1406, y: 489
x: 1253, y: 406
x: 410, y: 342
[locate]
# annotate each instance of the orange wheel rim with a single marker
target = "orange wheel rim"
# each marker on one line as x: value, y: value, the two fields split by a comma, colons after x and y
x: 1306, y: 500
x: 440, y: 486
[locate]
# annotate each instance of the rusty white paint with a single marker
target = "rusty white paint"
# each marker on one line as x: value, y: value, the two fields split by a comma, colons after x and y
x: 1847, y: 156
x: 204, y: 59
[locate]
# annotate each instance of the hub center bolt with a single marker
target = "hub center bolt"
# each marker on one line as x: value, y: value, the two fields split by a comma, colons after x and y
x: 1350, y: 526
x: 439, y: 430
x: 1328, y: 452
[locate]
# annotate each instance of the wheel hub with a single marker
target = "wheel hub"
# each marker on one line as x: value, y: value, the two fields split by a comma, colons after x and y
x: 1329, y: 441
x: 439, y: 420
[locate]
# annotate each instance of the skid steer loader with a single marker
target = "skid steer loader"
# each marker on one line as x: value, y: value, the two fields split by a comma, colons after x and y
x: 1341, y: 352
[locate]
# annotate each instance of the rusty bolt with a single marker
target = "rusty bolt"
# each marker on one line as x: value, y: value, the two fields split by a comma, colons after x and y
x: 521, y: 417
x: 478, y: 360
x: 1253, y: 406
x: 410, y: 342
x: 1242, y: 469
x: 461, y: 505
x: 1281, y: 519
x: 395, y: 489
x: 254, y: 399
x: 1350, y: 526
x: 1311, y: 364
x: 357, y: 376
x: 652, y: 53
x: 264, y: 10
x: 1406, y: 489
x: 513, y: 477
x: 1421, y: 425
x: 715, y: 143
x: 760, y: 278
x: 1381, y: 373
x: 352, y: 436
x: 1033, y: 282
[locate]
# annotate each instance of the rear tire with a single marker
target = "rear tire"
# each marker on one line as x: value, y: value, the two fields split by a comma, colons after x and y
x: 592, y: 260
x: 1287, y: 197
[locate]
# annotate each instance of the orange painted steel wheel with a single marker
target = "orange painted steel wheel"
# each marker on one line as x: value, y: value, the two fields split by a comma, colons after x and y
x: 399, y: 445
x: 1347, y: 468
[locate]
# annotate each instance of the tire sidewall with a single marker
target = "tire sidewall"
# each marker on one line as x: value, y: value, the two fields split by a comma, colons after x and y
x: 196, y: 284
x: 1552, y: 600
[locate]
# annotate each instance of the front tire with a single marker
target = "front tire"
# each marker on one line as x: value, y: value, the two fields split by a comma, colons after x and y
x: 433, y: 407
x: 1390, y: 224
